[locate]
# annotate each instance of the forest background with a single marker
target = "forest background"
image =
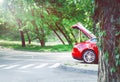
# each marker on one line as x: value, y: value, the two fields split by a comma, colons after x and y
x: 43, y: 25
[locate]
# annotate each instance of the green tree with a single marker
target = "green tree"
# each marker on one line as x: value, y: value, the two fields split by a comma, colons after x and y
x: 16, y: 8
x: 70, y: 12
x: 35, y: 19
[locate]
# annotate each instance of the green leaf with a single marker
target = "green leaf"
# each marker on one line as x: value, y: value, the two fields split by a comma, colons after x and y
x: 117, y: 56
x: 113, y: 70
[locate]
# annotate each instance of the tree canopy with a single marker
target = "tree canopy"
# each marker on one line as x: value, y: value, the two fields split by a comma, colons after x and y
x: 35, y: 19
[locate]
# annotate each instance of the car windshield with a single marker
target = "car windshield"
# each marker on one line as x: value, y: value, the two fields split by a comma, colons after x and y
x: 93, y: 39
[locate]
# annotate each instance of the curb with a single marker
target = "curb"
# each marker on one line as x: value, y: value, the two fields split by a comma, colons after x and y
x: 78, y: 70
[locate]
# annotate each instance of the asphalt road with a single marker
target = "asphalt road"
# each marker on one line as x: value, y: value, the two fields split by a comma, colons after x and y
x: 21, y: 66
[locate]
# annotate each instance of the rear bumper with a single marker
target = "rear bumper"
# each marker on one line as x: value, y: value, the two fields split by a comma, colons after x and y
x: 76, y: 54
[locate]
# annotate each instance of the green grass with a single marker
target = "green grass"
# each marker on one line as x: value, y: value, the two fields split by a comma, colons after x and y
x: 33, y: 47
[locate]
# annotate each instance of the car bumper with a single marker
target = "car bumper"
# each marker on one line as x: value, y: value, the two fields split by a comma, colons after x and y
x: 76, y: 54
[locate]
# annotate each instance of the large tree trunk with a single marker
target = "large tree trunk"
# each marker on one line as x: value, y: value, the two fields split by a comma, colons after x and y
x: 108, y: 14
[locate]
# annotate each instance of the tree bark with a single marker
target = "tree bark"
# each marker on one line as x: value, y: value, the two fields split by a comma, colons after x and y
x: 108, y: 14
x: 42, y: 41
x: 21, y: 32
x: 22, y: 38
x: 29, y: 39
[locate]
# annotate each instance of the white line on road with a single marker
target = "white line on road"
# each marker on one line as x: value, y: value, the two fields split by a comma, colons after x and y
x: 26, y: 66
x: 42, y: 65
x: 30, y: 65
x: 3, y: 65
x: 55, y: 65
x: 10, y: 67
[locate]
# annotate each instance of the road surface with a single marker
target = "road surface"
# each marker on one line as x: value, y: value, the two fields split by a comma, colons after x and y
x: 23, y: 66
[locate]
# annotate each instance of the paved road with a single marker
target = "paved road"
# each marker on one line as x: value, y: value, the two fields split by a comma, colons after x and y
x: 21, y: 66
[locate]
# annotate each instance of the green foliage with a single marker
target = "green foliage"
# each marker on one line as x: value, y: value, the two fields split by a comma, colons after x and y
x: 117, y: 56
x: 106, y: 57
x: 113, y: 69
x: 45, y: 13
x: 76, y: 11
x: 81, y: 11
x: 7, y: 34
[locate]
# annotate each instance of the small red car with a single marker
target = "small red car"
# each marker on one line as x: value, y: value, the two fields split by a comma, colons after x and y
x: 87, y: 50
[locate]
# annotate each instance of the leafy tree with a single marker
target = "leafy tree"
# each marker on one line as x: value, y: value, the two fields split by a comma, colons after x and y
x: 16, y: 9
x: 70, y: 12
x: 37, y: 18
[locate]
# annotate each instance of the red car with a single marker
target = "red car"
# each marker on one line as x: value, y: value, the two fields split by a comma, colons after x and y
x: 87, y: 50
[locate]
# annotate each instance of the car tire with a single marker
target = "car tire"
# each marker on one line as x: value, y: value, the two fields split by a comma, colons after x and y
x: 89, y: 57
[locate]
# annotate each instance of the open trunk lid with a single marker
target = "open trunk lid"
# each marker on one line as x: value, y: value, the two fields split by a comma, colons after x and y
x: 84, y: 30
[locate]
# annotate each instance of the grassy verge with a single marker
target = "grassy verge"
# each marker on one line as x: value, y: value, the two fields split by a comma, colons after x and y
x: 34, y: 47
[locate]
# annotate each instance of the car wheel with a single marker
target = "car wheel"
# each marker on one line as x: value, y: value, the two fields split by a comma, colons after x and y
x: 89, y: 56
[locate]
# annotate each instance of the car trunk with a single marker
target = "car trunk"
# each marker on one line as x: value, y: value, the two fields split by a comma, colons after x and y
x: 84, y: 30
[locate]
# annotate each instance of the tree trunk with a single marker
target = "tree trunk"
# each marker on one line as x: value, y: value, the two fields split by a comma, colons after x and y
x: 56, y: 34
x: 22, y: 38
x: 108, y: 14
x: 64, y: 34
x: 21, y: 32
x: 71, y: 34
x: 29, y: 40
x: 42, y: 41
x: 41, y: 36
x: 19, y: 22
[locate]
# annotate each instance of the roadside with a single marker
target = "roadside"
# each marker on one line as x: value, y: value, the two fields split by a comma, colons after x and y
x: 80, y: 67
